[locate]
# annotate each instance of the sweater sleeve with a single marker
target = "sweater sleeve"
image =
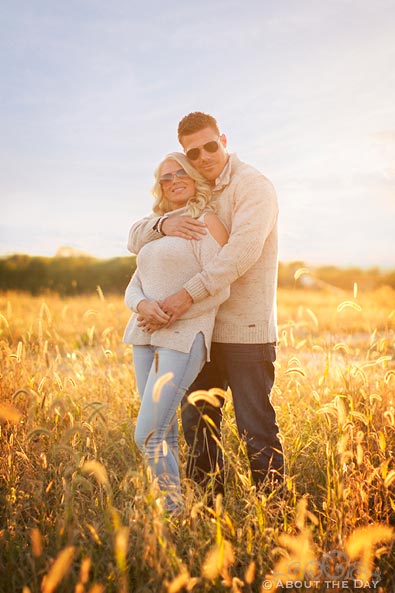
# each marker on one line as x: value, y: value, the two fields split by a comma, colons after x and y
x: 204, y: 251
x: 134, y: 292
x: 141, y: 233
x: 255, y: 212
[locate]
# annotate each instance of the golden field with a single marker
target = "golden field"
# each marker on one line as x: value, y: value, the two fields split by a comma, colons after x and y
x: 79, y: 513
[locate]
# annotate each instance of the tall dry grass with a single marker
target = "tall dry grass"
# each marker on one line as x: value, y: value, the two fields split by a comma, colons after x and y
x: 80, y: 514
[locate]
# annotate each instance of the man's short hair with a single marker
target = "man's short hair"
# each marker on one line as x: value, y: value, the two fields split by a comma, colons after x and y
x: 196, y: 121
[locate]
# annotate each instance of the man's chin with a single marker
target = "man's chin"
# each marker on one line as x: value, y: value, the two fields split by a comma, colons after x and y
x: 209, y: 173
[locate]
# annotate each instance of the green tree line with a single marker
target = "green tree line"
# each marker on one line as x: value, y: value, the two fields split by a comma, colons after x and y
x: 65, y: 275
x: 81, y: 275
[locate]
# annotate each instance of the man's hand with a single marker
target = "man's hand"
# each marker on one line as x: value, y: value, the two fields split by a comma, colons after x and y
x: 151, y: 316
x: 177, y: 304
x: 185, y: 227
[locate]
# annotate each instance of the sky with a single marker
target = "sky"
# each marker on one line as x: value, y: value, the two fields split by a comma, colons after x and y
x: 92, y: 92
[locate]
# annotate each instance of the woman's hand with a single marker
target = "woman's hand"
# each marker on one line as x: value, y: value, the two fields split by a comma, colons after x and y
x: 150, y: 316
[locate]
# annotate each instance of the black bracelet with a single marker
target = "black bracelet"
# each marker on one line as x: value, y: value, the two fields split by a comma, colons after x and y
x: 155, y: 227
x: 158, y: 225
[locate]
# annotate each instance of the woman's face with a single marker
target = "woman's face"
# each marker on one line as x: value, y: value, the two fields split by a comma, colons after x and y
x: 176, y: 185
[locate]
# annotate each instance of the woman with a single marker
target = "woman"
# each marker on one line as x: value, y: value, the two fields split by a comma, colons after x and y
x: 163, y: 267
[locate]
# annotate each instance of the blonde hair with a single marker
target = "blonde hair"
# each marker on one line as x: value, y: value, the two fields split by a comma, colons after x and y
x: 195, y: 205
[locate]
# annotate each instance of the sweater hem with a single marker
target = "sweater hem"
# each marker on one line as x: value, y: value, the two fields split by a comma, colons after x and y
x: 257, y: 333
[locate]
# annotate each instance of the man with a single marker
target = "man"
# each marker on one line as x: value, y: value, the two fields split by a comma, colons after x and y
x: 244, y: 340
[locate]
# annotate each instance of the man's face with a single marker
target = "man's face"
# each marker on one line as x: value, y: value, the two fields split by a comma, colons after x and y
x: 209, y: 164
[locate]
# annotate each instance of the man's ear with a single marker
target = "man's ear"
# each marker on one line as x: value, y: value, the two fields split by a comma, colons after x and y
x: 224, y: 140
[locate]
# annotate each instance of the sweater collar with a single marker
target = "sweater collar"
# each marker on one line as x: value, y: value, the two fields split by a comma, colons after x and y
x: 224, y: 178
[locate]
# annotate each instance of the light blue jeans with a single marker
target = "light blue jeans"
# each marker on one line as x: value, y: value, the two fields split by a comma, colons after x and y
x: 156, y: 432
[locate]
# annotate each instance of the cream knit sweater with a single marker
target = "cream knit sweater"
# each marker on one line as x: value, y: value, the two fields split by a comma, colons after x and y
x: 246, y: 202
x: 163, y: 267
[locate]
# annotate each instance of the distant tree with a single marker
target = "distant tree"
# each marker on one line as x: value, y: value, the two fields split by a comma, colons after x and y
x: 65, y: 275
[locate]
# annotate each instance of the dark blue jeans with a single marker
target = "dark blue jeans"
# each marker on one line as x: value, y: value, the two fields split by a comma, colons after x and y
x: 248, y: 370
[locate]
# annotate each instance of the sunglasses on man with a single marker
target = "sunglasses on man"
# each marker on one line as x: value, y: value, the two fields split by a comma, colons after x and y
x: 194, y: 153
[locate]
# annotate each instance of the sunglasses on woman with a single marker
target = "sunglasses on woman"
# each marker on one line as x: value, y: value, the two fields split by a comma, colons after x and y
x: 194, y: 153
x: 168, y: 178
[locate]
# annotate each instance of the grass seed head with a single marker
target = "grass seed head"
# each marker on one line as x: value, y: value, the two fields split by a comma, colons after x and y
x: 58, y: 570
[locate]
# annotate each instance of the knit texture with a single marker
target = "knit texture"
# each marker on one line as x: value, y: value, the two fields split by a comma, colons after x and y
x: 163, y: 267
x: 246, y: 202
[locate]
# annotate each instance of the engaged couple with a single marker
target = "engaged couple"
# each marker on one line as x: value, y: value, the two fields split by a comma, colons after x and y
x: 203, y: 298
